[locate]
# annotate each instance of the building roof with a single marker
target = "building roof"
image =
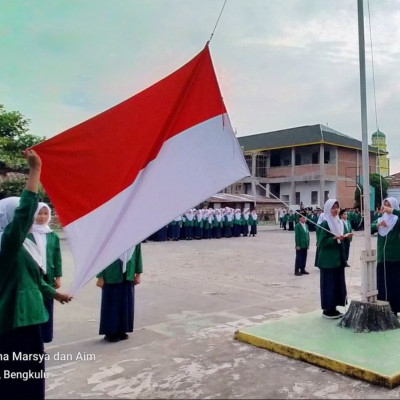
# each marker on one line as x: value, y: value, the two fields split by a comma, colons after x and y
x: 378, y: 133
x: 394, y: 180
x: 300, y: 136
x: 240, y: 198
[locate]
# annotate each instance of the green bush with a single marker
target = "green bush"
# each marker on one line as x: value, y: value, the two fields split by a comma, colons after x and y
x: 13, y: 186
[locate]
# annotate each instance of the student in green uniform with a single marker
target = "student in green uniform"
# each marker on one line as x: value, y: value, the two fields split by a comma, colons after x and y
x: 117, y: 282
x: 291, y: 220
x: 22, y: 289
x: 388, y: 266
x: 302, y: 243
x: 331, y: 260
x: 48, y: 243
x: 253, y: 222
x: 347, y: 229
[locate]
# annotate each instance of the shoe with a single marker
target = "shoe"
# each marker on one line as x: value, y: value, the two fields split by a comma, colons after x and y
x: 347, y: 265
x: 332, y: 314
x: 123, y: 336
x: 298, y: 273
x: 305, y: 273
x: 112, y: 338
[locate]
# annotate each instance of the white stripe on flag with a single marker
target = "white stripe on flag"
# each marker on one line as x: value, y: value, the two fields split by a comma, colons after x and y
x: 191, y: 167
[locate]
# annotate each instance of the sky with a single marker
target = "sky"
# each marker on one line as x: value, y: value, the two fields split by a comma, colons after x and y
x: 279, y: 63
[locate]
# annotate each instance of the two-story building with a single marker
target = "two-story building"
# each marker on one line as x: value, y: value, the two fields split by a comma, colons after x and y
x: 304, y: 165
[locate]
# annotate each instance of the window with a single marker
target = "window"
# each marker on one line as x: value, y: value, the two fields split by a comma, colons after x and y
x: 261, y: 166
x: 315, y: 157
x: 297, y: 159
x: 314, y: 197
x: 327, y: 156
x: 297, y: 198
x: 249, y: 161
x: 326, y: 195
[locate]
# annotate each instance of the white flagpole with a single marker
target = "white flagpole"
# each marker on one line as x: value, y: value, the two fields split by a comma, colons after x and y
x: 368, y: 272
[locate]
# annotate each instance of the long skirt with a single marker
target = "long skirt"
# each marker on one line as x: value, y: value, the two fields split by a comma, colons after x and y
x: 333, y: 288
x: 253, y: 229
x: 22, y: 341
x: 388, y: 282
x: 47, y: 327
x: 117, y: 308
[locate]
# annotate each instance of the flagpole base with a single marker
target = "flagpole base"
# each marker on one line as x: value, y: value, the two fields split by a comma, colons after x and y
x: 363, y: 317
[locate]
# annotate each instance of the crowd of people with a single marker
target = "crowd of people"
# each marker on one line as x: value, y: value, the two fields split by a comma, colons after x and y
x: 209, y: 223
x: 334, y: 231
x: 289, y: 218
x: 31, y: 270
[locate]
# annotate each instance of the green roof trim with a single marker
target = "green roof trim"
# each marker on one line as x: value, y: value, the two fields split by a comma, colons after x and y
x: 300, y: 136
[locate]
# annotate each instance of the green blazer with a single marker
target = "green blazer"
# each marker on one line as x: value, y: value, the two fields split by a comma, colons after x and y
x: 113, y: 273
x: 53, y: 257
x: 388, y: 246
x: 301, y: 236
x: 21, y: 283
x: 331, y: 254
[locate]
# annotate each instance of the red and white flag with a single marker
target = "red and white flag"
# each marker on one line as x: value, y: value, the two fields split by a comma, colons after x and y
x: 120, y: 176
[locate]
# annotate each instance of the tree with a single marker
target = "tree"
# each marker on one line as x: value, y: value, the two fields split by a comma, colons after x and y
x: 14, y: 139
x: 376, y: 181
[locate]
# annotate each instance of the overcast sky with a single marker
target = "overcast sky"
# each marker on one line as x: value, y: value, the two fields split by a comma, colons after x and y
x: 280, y: 63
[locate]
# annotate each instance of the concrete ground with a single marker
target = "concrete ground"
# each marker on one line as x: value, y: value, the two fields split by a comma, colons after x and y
x: 194, y: 295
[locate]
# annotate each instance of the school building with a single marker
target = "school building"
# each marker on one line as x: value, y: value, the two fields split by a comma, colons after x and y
x: 304, y: 166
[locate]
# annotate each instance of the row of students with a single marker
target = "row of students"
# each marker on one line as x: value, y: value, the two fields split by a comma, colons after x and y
x: 209, y: 224
x: 288, y: 220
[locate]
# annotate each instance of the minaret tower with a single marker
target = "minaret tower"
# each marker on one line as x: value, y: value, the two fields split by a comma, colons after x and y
x: 379, y: 141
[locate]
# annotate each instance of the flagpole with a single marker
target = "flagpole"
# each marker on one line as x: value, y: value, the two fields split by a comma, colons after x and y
x: 368, y: 270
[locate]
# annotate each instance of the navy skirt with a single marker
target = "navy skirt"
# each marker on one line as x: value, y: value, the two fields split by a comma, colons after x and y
x: 117, y: 308
x: 24, y: 341
x: 333, y: 288
x: 388, y: 282
x: 47, y: 327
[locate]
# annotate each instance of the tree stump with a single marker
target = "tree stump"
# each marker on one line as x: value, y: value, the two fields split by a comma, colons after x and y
x: 367, y: 317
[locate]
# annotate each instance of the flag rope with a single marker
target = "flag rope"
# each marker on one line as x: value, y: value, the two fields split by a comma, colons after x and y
x: 215, y: 27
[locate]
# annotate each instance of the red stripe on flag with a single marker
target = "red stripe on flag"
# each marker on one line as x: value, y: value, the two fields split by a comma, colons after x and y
x: 87, y: 165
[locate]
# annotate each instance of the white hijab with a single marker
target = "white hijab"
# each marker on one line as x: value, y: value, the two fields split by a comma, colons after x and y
x: 125, y: 257
x: 238, y: 214
x: 320, y: 218
x: 390, y: 219
x: 335, y: 223
x: 39, y: 233
x: 7, y: 211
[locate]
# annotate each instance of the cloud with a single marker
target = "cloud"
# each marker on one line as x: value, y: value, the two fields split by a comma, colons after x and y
x: 280, y: 63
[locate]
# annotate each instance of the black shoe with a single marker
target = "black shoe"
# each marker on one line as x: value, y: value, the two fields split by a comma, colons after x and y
x: 298, y: 273
x: 123, y: 336
x: 347, y: 265
x: 332, y: 314
x: 112, y: 338
x: 305, y: 273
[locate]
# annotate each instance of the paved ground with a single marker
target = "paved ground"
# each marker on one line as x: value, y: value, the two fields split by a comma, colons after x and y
x: 193, y: 296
